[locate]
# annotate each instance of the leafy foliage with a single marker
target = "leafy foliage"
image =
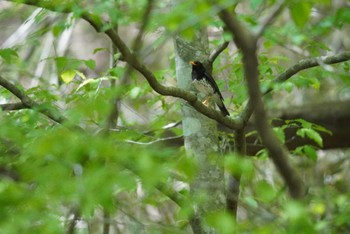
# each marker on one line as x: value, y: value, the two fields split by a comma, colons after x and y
x: 53, y: 175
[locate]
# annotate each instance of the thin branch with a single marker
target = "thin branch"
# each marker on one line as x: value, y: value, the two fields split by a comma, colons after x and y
x: 272, y: 16
x: 246, y: 42
x: 27, y: 102
x: 312, y: 62
x: 165, y: 90
x: 217, y: 52
x: 155, y: 141
x: 298, y: 67
x: 132, y: 59
x: 145, y: 20
x: 136, y: 45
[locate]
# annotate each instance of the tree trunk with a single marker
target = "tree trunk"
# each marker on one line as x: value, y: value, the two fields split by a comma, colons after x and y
x: 201, y: 142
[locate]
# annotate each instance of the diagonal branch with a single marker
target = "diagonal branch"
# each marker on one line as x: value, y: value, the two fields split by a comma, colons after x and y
x: 12, y: 106
x: 312, y: 62
x: 132, y: 59
x: 96, y: 22
x: 27, y: 102
x: 246, y: 42
x: 217, y: 52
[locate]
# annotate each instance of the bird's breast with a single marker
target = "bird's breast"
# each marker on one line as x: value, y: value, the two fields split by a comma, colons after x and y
x: 203, y: 87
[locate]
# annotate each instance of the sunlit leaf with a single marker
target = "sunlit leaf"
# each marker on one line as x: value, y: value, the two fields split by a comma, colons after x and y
x: 300, y: 11
x: 80, y: 74
x: 91, y: 81
x: 68, y: 75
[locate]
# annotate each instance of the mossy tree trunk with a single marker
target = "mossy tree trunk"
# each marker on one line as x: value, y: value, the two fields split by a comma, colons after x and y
x: 201, y: 140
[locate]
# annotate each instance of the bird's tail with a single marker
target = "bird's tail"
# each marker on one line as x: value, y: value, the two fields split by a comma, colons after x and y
x: 223, y: 109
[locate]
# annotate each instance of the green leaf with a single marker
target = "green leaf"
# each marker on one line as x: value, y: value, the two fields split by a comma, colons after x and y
x: 91, y: 81
x: 135, y: 92
x: 8, y: 55
x: 254, y: 4
x: 304, y: 123
x: 251, y: 202
x: 311, y: 134
x: 238, y: 165
x: 294, y: 210
x: 265, y: 191
x: 300, y: 12
x: 262, y: 154
x: 98, y: 49
x: 342, y: 16
x: 280, y: 133
x: 90, y: 63
x: 308, y: 151
x: 64, y: 63
x: 222, y: 221
x: 68, y: 75
x: 80, y: 74
x: 116, y: 71
x: 321, y: 129
x: 318, y: 208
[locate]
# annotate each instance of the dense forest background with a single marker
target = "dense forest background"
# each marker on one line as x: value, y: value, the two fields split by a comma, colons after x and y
x: 101, y: 130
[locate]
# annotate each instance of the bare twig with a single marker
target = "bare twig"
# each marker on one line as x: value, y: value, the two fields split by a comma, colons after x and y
x: 145, y: 20
x: 155, y: 141
x: 271, y: 17
x: 246, y: 42
x: 136, y: 45
x: 217, y: 52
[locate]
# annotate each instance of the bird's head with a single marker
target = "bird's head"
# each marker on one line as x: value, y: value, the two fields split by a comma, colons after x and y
x: 197, y: 66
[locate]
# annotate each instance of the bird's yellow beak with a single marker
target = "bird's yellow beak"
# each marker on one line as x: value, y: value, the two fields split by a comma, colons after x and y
x: 193, y: 63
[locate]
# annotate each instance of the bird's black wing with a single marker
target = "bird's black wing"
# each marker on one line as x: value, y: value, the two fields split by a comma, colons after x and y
x: 213, y: 83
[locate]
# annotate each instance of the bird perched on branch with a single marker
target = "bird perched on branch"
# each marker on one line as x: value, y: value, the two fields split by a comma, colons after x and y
x: 205, y: 84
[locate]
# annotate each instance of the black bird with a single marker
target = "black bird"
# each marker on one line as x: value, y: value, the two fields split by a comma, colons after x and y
x: 205, y: 83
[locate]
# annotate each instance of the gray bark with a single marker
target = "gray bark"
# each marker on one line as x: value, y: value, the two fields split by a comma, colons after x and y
x: 201, y: 142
